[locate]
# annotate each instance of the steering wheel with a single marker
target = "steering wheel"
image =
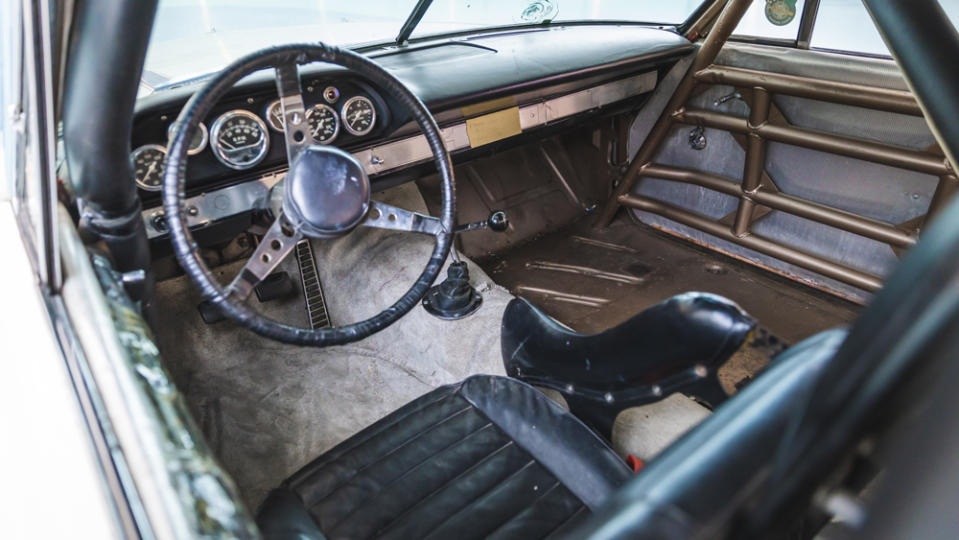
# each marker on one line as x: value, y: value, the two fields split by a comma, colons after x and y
x: 326, y: 194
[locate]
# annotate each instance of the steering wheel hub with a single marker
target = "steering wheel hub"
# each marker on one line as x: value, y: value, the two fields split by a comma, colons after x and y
x: 326, y: 192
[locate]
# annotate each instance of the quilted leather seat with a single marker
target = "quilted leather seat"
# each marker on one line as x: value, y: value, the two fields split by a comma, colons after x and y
x: 488, y: 457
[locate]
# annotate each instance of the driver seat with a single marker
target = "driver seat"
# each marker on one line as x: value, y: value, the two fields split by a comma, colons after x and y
x: 488, y: 457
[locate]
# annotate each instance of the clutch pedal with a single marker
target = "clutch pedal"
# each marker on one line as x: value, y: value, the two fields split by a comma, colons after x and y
x: 312, y: 288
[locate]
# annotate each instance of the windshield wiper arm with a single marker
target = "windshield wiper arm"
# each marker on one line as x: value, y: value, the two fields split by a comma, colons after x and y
x: 414, y: 19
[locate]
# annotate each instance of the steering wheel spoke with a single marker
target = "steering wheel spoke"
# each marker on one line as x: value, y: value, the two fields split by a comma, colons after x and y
x: 384, y: 216
x: 296, y: 126
x: 277, y: 243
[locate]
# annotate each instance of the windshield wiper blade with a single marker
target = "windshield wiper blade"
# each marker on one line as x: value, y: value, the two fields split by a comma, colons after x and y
x: 414, y: 19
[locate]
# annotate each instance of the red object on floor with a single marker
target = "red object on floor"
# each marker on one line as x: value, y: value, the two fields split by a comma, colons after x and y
x: 634, y: 463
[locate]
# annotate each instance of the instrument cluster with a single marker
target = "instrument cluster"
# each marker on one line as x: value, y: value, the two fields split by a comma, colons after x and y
x: 239, y: 136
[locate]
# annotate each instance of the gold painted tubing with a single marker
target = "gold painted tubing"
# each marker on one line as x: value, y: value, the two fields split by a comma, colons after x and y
x: 840, y: 219
x: 836, y: 144
x: 790, y: 255
x: 883, y: 99
x: 945, y: 192
x: 717, y: 37
x: 755, y: 162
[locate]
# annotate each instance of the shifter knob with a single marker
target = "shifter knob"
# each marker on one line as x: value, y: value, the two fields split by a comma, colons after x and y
x: 498, y: 221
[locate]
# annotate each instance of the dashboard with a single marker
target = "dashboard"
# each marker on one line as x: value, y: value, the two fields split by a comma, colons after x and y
x: 536, y: 77
x: 246, y: 132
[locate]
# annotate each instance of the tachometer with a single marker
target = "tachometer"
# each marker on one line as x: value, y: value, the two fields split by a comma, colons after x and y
x: 324, y: 123
x: 359, y: 115
x: 199, y: 138
x: 148, y: 164
x: 240, y: 139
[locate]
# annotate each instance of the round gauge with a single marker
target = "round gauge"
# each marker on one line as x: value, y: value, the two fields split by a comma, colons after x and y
x: 149, y: 162
x: 274, y: 116
x: 240, y: 139
x: 359, y: 115
x: 199, y: 138
x: 324, y: 124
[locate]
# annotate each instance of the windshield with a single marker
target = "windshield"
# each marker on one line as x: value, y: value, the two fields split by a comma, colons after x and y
x: 192, y: 38
x: 445, y: 16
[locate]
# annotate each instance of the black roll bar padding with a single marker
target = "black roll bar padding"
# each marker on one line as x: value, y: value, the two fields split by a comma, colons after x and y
x: 104, y: 63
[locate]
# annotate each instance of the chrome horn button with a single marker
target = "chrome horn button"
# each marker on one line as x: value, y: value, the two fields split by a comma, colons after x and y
x: 326, y: 192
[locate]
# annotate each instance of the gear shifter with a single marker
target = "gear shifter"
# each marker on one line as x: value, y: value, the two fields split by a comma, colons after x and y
x: 455, y: 298
x: 496, y: 222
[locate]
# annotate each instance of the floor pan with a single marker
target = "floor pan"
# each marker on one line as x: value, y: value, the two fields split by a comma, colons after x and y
x: 591, y: 279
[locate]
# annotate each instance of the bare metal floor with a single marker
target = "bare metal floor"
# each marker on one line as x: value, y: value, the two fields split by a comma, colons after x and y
x: 593, y: 279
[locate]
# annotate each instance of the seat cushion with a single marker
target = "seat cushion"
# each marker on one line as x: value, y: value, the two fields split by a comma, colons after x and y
x: 678, y: 345
x: 488, y: 457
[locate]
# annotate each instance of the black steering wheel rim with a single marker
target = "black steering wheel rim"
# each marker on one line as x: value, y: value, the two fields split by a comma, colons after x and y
x: 186, y: 249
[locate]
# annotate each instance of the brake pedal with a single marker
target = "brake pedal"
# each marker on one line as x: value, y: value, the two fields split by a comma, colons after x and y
x: 312, y: 288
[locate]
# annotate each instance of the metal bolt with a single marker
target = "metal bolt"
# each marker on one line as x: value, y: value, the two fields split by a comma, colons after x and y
x: 192, y: 210
x: 728, y: 97
x: 701, y: 370
x: 844, y: 506
x: 608, y: 397
x: 714, y: 268
x: 133, y: 277
x: 376, y: 160
x: 657, y: 391
x: 569, y: 389
x: 249, y: 100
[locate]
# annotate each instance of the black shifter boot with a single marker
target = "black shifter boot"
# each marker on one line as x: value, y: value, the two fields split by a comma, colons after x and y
x: 454, y: 298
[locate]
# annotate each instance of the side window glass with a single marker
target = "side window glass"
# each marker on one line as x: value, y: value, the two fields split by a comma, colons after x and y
x: 25, y: 144
x: 11, y: 125
x: 772, y: 20
x: 845, y: 25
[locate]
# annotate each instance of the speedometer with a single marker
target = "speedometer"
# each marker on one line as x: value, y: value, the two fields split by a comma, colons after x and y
x: 359, y: 115
x: 240, y: 139
x: 324, y: 124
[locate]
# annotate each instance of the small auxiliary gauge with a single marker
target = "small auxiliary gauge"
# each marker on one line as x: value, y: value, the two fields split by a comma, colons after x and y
x: 149, y: 162
x: 324, y: 123
x: 274, y: 116
x: 239, y: 139
x: 199, y: 141
x: 359, y: 115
